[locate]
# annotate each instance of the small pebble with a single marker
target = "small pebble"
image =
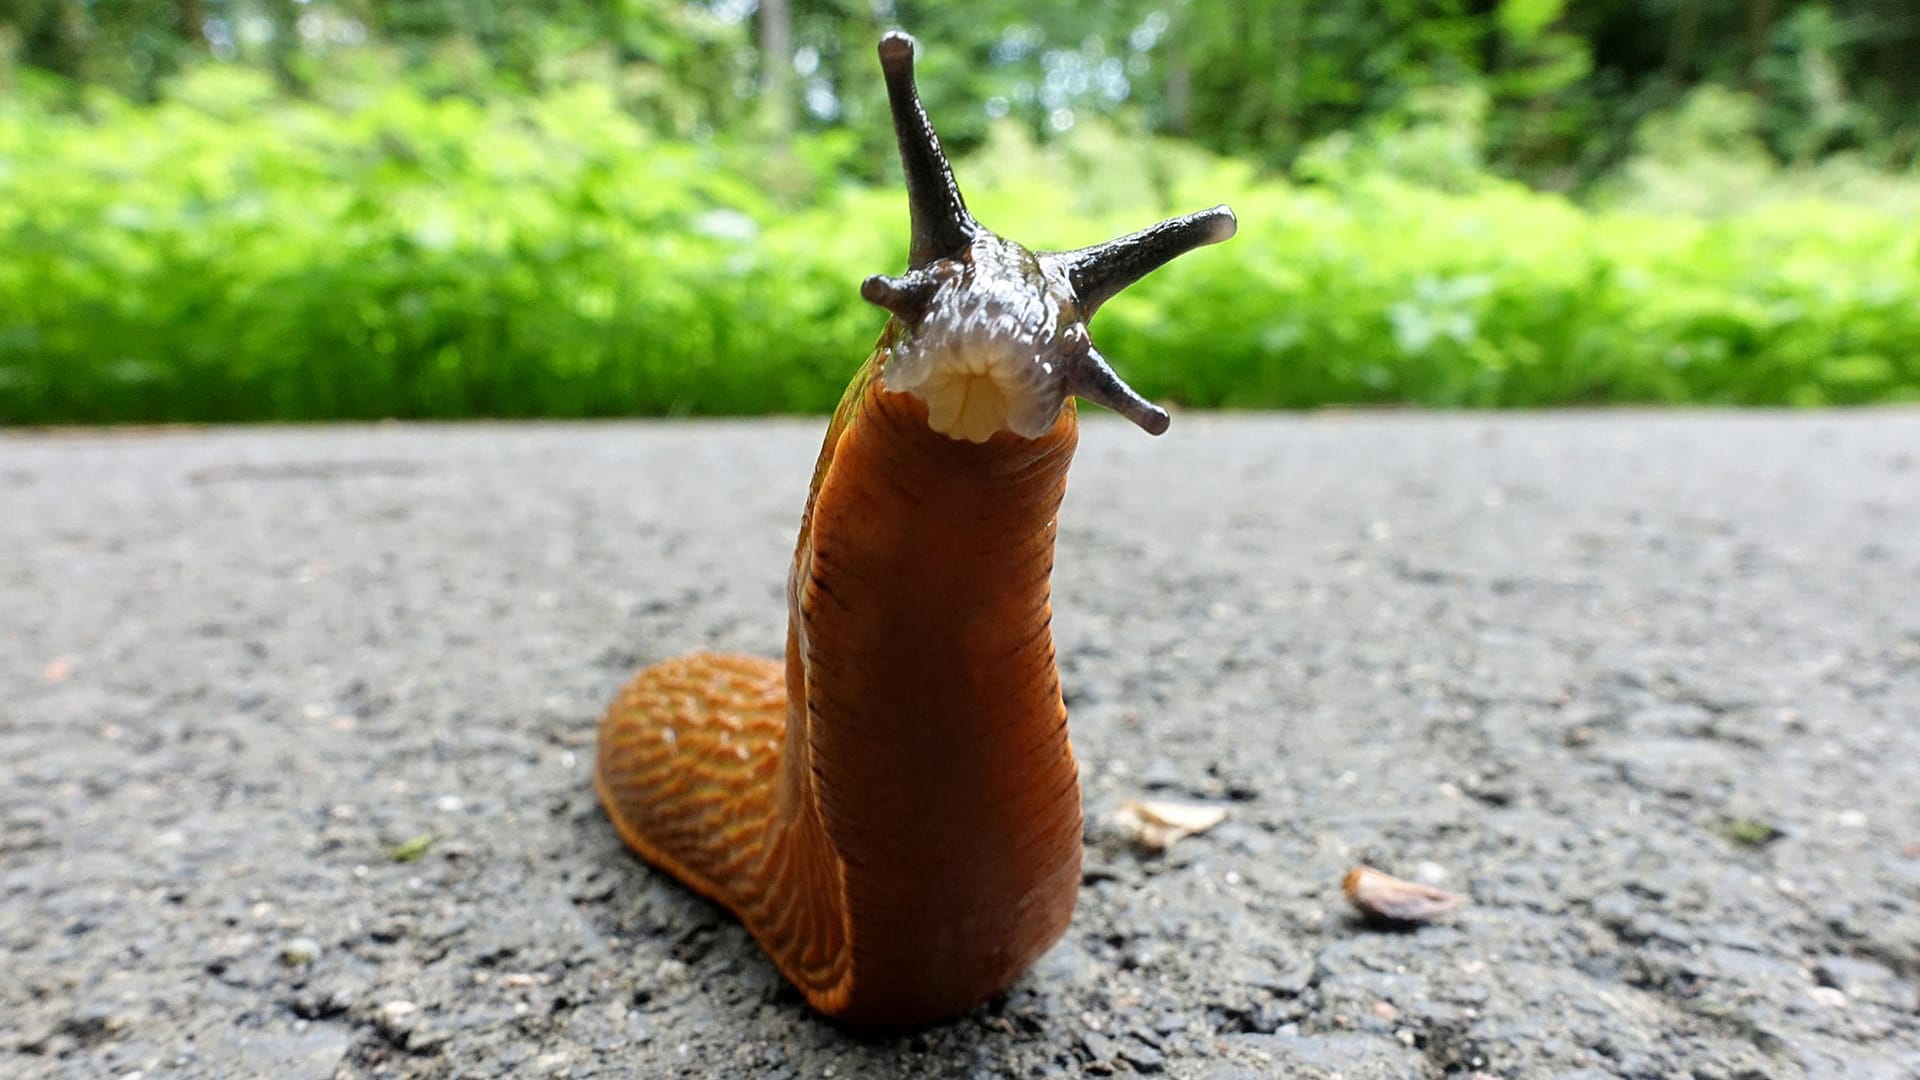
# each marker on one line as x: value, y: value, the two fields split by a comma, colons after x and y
x: 1143, y: 1057
x: 1098, y: 1045
x: 1162, y: 774
x: 299, y: 952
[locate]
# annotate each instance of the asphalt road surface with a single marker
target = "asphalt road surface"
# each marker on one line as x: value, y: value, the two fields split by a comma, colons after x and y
x: 296, y: 724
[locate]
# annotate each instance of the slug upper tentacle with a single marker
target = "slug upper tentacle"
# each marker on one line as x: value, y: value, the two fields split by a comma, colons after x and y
x: 942, y: 228
x: 1100, y: 272
x: 894, y: 812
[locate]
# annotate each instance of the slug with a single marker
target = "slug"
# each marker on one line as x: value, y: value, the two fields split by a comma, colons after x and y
x: 894, y: 812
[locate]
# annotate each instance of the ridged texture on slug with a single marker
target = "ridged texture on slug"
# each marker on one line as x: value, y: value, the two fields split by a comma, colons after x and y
x: 689, y: 759
x: 898, y: 823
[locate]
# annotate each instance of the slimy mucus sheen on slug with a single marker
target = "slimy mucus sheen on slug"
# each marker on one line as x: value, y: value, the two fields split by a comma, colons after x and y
x: 894, y: 812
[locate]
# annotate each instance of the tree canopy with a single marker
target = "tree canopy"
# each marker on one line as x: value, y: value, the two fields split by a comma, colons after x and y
x: 1550, y: 92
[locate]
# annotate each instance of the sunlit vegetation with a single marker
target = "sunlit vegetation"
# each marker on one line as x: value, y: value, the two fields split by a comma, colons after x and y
x: 360, y: 217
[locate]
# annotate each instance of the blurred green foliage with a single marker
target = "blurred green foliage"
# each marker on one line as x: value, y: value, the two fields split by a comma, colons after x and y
x: 251, y: 209
x: 1562, y: 87
x: 235, y: 253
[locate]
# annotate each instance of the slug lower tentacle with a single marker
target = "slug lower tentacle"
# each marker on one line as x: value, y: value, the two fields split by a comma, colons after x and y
x: 894, y: 812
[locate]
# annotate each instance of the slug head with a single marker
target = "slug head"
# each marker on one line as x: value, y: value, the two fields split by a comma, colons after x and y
x: 995, y: 336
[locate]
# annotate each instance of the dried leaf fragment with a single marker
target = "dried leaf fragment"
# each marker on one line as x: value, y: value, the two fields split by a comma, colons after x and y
x: 1389, y: 899
x: 1157, y: 824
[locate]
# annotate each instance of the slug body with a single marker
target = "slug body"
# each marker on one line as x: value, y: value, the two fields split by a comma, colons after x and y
x: 894, y: 812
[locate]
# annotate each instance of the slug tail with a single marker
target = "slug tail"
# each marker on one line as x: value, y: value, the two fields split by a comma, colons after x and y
x: 687, y: 769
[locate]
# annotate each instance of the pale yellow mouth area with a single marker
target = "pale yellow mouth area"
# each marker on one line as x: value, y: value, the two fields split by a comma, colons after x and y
x: 968, y: 405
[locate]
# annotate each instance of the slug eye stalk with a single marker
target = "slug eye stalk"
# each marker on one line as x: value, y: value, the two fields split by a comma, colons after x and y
x: 1100, y: 272
x: 942, y: 228
x: 996, y: 335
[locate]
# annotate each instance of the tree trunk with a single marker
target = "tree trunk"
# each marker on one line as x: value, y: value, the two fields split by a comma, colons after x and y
x: 1759, y: 43
x: 285, y: 44
x: 1680, y: 45
x: 1178, y: 102
x: 193, y: 21
x: 776, y: 59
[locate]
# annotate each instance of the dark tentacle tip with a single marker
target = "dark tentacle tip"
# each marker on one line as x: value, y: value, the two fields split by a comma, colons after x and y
x: 907, y: 297
x: 896, y: 52
x: 879, y: 290
x: 1220, y: 223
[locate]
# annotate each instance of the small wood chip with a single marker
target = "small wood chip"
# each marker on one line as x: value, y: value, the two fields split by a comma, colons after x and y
x: 1386, y: 898
x: 1157, y: 824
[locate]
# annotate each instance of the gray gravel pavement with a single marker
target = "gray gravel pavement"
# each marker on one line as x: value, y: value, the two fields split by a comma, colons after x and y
x: 296, y: 727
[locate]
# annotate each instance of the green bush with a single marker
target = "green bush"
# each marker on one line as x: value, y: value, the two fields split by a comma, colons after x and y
x: 230, y: 255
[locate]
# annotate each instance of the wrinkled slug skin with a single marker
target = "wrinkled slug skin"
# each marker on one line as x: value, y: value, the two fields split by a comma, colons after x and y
x: 895, y: 813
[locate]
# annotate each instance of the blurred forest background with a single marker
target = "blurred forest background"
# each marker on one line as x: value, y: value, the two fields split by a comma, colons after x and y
x: 317, y: 209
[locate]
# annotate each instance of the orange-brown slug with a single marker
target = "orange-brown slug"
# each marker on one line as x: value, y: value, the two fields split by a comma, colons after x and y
x: 894, y: 812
